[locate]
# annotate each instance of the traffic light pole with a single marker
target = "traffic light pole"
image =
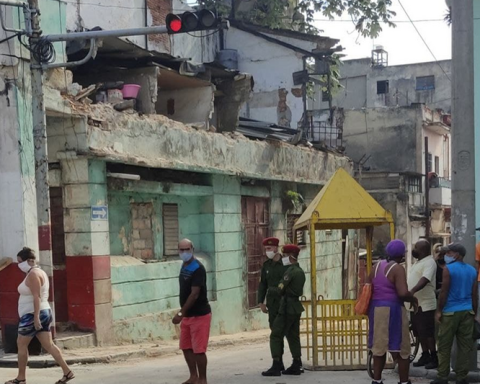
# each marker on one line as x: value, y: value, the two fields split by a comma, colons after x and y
x: 40, y: 149
x: 101, y: 34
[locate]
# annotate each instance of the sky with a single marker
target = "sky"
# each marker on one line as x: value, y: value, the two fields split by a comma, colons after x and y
x: 403, y: 43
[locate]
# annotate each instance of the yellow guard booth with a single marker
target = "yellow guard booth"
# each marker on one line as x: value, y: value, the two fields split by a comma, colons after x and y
x: 333, y: 336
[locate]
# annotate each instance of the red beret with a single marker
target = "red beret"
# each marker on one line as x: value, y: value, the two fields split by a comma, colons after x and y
x: 291, y: 248
x: 272, y: 241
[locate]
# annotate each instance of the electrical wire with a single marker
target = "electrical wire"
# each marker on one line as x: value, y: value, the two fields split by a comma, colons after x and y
x: 10, y: 37
x: 424, y: 42
x: 202, y: 36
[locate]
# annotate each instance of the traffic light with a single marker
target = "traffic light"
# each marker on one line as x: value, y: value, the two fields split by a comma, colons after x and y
x: 191, y: 21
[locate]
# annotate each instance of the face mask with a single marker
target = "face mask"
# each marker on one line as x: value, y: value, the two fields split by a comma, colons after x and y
x: 24, y: 266
x: 415, y: 254
x: 286, y: 261
x: 449, y: 259
x: 186, y: 256
x: 270, y: 254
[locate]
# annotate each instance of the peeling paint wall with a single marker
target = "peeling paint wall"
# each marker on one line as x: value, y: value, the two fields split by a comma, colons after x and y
x: 145, y: 296
x: 380, y: 132
x: 125, y: 14
x: 359, y: 81
x: 274, y: 98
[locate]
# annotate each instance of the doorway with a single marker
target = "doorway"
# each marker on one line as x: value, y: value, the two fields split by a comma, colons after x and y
x: 256, y: 221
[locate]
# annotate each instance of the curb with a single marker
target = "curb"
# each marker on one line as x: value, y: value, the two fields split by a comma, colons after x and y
x: 473, y: 377
x: 123, y: 356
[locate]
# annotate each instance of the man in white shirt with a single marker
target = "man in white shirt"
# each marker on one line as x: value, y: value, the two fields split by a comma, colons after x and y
x: 422, y: 282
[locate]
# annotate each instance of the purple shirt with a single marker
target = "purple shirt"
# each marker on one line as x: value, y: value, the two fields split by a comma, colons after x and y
x: 383, y: 289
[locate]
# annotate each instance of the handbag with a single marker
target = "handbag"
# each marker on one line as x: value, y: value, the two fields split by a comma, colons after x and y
x: 476, y: 330
x: 363, y: 302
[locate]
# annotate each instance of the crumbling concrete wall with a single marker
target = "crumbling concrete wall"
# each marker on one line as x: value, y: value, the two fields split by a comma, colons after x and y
x: 274, y: 98
x: 158, y: 142
x: 145, y: 77
x: 359, y: 80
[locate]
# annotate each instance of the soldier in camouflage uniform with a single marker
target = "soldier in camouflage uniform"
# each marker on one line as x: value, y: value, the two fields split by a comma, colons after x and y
x: 272, y: 274
x: 287, y: 323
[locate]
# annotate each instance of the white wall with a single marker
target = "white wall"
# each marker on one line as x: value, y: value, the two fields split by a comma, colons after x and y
x: 359, y: 81
x: 436, y: 147
x: 271, y: 66
x: 122, y: 14
x: 191, y: 105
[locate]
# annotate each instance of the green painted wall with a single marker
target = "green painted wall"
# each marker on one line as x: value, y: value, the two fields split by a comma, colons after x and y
x: 145, y: 296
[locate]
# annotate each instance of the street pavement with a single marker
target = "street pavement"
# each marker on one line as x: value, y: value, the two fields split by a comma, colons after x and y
x: 238, y: 365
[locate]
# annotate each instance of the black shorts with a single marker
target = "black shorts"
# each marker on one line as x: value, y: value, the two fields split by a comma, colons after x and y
x: 423, y: 323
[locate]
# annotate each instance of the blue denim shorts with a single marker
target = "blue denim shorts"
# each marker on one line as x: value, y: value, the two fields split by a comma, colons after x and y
x: 26, y: 326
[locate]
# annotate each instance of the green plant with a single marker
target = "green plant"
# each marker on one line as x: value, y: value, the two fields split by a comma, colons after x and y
x: 296, y: 199
x: 367, y: 15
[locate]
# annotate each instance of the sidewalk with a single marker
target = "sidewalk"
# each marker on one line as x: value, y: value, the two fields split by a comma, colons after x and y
x: 431, y: 374
x: 104, y: 355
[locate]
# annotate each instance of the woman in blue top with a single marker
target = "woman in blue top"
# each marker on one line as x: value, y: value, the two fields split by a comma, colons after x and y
x: 457, y: 306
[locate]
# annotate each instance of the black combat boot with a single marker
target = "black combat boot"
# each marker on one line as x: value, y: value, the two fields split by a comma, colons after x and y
x: 295, y: 369
x: 283, y: 365
x: 275, y: 369
x: 424, y: 360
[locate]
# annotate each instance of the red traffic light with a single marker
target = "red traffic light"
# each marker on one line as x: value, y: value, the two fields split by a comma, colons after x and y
x: 191, y: 21
x: 174, y: 23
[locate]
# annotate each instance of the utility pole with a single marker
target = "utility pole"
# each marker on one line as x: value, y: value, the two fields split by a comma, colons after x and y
x: 40, y: 148
x: 463, y: 133
x: 427, y: 193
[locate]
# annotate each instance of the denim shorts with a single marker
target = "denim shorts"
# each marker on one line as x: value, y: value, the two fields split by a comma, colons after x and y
x: 26, y: 326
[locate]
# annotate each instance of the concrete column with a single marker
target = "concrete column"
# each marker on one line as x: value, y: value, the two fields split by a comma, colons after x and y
x: 18, y: 220
x: 87, y: 247
x: 463, y: 132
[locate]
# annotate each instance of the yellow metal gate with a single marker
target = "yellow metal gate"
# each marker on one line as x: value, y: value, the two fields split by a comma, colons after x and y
x: 342, y: 336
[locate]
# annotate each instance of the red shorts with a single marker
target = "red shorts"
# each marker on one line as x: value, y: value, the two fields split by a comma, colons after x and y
x: 195, y: 332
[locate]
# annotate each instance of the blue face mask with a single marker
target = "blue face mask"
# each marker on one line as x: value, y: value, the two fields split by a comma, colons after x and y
x: 186, y: 256
x: 449, y: 259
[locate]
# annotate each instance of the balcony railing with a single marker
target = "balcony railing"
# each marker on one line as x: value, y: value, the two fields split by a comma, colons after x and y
x: 440, y: 182
x: 321, y: 132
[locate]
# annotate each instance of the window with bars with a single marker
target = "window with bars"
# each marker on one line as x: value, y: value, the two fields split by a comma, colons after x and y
x: 425, y: 83
x: 430, y: 163
x: 414, y: 184
x: 383, y: 87
x: 170, y: 229
x: 291, y: 219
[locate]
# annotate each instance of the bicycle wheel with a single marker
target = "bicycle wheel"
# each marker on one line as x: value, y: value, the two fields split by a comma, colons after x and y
x: 414, y: 345
x: 370, y: 364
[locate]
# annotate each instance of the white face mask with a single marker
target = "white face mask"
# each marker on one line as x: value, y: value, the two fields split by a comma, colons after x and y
x: 270, y: 254
x: 24, y: 266
x: 286, y: 261
x: 186, y: 256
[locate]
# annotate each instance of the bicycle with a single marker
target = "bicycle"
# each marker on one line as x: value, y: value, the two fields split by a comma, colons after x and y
x: 414, y: 344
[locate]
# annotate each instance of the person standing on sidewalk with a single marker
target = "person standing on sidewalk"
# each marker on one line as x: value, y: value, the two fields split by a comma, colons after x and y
x: 195, y: 315
x: 35, y: 317
x: 421, y: 283
x: 287, y: 322
x: 388, y: 318
x: 457, y: 306
x: 271, y: 275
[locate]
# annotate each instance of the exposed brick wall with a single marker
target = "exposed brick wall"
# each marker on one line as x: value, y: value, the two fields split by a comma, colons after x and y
x: 142, y: 233
x: 159, y: 9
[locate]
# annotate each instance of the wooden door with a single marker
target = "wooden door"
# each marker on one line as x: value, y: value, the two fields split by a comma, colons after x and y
x: 256, y: 221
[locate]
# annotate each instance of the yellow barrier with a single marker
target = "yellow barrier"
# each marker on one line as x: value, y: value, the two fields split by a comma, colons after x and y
x: 342, y: 336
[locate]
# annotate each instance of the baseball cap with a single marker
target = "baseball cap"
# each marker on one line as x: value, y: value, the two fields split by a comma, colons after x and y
x: 458, y: 248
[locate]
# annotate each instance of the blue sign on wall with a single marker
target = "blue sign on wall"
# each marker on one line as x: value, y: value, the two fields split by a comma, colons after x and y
x: 100, y: 213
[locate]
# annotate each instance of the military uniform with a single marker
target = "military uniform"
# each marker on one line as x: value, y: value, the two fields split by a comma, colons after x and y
x: 271, y: 276
x: 287, y: 323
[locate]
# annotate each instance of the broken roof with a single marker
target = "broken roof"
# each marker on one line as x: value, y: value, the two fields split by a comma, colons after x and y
x: 324, y: 45
x: 255, y: 129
